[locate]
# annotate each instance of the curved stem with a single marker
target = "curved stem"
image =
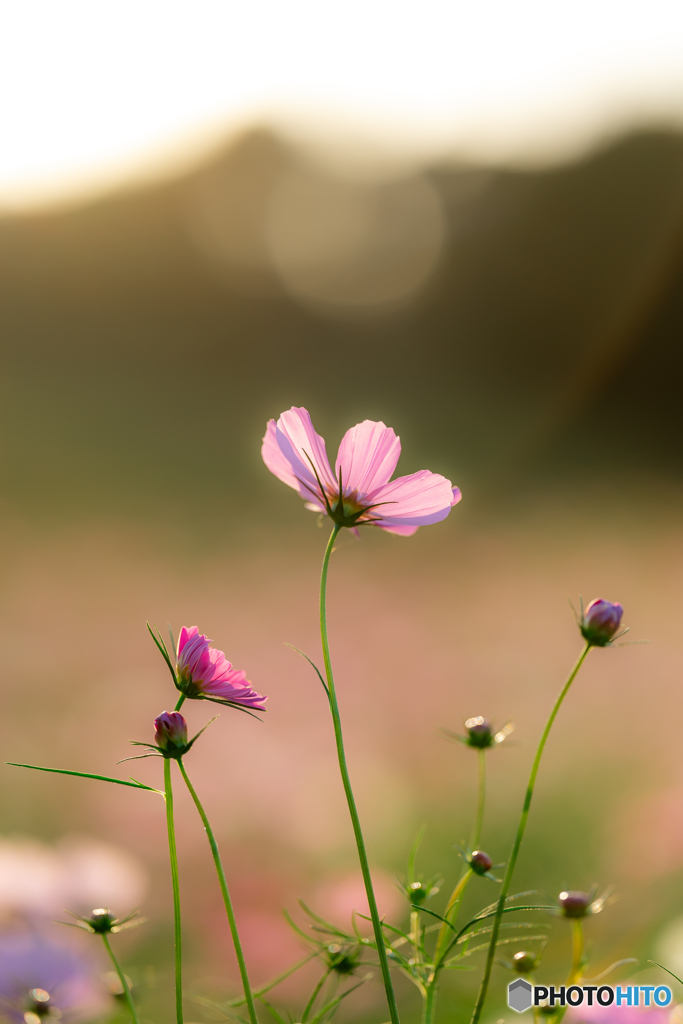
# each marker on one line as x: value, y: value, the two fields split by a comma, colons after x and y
x: 505, y: 888
x: 173, y: 856
x: 226, y: 897
x: 346, y: 781
x: 446, y: 933
x: 122, y: 979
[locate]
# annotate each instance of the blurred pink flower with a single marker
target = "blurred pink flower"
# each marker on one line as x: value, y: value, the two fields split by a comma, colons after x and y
x: 360, y: 490
x: 619, y: 1014
x: 204, y: 672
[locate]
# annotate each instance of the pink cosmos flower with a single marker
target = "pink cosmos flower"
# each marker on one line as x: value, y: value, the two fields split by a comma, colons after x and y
x: 205, y: 673
x: 359, y: 491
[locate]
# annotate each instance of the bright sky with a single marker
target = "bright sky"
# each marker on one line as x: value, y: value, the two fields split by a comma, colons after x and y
x: 94, y: 89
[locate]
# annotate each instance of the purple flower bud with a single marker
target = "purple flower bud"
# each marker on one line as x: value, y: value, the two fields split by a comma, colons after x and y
x: 170, y: 731
x: 601, y: 620
x: 480, y: 862
x: 523, y: 963
x: 479, y: 732
x: 575, y: 904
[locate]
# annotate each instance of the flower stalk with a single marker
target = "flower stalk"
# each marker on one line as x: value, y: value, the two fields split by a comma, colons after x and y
x: 507, y: 879
x: 346, y: 782
x: 122, y: 978
x: 173, y: 857
x: 226, y: 897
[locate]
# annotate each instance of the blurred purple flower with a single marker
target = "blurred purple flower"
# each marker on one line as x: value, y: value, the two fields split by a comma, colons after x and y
x: 204, y: 671
x: 42, y: 980
x: 360, y: 490
x: 600, y: 621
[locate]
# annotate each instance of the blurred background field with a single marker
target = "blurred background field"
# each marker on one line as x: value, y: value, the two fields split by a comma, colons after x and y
x: 518, y: 322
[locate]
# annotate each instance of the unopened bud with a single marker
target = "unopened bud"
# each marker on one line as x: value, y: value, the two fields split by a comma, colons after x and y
x: 101, y: 921
x: 523, y: 963
x: 480, y: 862
x: 479, y: 732
x: 170, y: 732
x: 575, y: 904
x: 601, y: 620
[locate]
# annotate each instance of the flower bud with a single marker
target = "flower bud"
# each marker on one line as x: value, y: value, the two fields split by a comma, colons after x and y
x: 479, y: 732
x: 101, y: 921
x: 575, y: 904
x: 480, y: 862
x: 523, y: 963
x: 170, y: 732
x: 600, y: 622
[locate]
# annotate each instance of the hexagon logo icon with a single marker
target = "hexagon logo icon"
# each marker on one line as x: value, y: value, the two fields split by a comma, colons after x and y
x: 519, y: 995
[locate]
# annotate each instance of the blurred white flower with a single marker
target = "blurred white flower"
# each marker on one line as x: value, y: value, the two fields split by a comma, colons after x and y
x: 37, y: 879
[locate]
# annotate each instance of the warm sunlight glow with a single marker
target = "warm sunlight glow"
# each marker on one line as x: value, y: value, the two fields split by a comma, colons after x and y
x: 94, y: 90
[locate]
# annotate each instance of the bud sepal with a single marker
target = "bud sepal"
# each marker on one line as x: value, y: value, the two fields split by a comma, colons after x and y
x: 480, y: 734
x: 170, y: 733
x: 103, y: 922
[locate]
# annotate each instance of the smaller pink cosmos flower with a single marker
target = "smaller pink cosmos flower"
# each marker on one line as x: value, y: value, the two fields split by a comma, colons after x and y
x: 360, y: 490
x: 204, y: 673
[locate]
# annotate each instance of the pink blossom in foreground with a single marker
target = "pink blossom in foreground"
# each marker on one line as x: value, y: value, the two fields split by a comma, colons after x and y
x: 360, y: 490
x: 205, y: 672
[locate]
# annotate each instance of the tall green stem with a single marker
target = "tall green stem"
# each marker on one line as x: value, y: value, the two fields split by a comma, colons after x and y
x: 122, y: 979
x: 173, y: 856
x: 346, y: 781
x: 505, y: 888
x: 481, y: 799
x: 226, y: 897
x: 577, y: 952
x: 429, y: 1008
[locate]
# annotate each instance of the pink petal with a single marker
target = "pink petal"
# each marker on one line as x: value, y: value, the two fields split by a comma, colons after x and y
x: 275, y: 460
x: 416, y: 500
x: 457, y: 495
x: 185, y: 635
x: 400, y: 531
x: 367, y: 456
x: 303, y: 449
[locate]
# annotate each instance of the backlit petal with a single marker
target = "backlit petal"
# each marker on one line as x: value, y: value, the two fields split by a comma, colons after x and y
x: 416, y: 500
x: 304, y: 450
x: 367, y: 456
x: 275, y: 460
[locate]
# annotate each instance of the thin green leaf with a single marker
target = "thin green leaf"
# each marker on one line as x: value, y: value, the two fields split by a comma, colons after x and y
x: 667, y: 970
x: 232, y: 704
x: 433, y: 914
x: 273, y: 1012
x: 413, y: 852
x: 481, y: 917
x: 159, y: 641
x: 313, y: 666
x: 334, y: 1003
x: 613, y: 967
x: 86, y: 775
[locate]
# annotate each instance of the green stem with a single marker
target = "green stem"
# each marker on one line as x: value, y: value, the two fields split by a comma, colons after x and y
x: 346, y: 781
x: 181, y: 701
x: 450, y: 914
x: 577, y: 952
x: 122, y: 979
x: 505, y: 888
x: 173, y: 856
x: 479, y: 820
x: 226, y: 897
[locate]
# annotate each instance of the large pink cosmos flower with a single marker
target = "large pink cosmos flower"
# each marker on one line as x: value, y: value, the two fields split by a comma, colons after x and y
x: 360, y: 491
x: 205, y: 673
